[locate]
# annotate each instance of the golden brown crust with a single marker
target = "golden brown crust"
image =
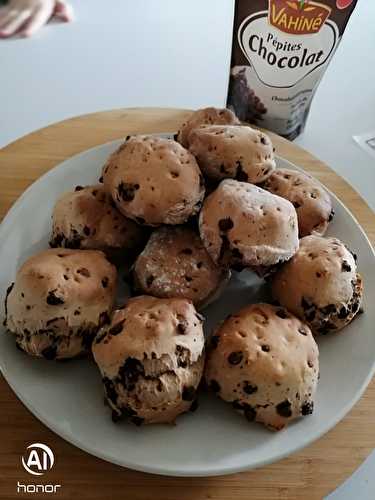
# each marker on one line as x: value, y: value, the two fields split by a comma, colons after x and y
x: 176, y: 264
x: 320, y: 284
x: 152, y: 356
x: 59, y: 297
x: 205, y: 116
x: 154, y: 181
x: 265, y: 361
x: 233, y: 151
x: 244, y: 225
x: 309, y: 198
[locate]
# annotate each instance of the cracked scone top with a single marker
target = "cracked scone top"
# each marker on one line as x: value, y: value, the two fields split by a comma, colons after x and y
x: 151, y: 358
x: 233, y: 151
x: 242, y: 225
x: 320, y: 284
x: 154, y: 181
x: 311, y: 201
x: 59, y: 300
x: 205, y: 116
x: 265, y: 362
x: 175, y: 263
x: 87, y: 218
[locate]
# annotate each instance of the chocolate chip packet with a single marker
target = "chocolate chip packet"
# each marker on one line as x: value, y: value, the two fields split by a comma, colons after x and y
x: 280, y: 51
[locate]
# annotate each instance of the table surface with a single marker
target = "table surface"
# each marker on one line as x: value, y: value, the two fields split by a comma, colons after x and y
x: 311, y: 473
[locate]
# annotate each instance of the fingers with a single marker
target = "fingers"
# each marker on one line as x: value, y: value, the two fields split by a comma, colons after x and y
x: 64, y: 11
x: 40, y: 16
x: 11, y: 24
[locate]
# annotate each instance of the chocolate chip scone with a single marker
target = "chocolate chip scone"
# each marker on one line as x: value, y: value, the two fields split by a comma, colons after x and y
x: 242, y: 225
x: 320, y: 284
x: 87, y: 218
x: 151, y: 358
x: 154, y: 181
x: 233, y: 151
x: 205, y: 116
x: 175, y: 263
x: 59, y: 300
x: 311, y: 201
x: 265, y: 362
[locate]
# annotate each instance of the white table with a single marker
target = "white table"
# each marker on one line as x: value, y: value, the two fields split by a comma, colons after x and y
x: 124, y: 53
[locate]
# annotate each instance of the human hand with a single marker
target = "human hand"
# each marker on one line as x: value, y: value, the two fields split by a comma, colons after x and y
x: 25, y: 17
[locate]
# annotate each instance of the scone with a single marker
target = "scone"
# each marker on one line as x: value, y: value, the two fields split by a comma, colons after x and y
x: 59, y: 300
x: 265, y: 362
x: 151, y: 358
x: 320, y: 284
x: 242, y: 225
x: 87, y: 218
x: 233, y: 151
x: 175, y: 263
x: 205, y: 116
x: 311, y: 201
x: 154, y: 181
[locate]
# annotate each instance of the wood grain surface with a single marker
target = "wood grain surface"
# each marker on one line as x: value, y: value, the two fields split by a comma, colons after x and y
x: 309, y: 474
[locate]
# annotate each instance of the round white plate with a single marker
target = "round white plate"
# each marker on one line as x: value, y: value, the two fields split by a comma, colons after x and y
x: 68, y: 397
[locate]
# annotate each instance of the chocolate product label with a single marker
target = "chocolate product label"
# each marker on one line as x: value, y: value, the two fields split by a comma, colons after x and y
x: 280, y: 51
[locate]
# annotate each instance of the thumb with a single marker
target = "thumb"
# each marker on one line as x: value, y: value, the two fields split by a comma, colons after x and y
x: 63, y: 11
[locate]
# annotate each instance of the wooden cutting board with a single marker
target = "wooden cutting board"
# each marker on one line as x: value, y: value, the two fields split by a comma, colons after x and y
x: 309, y: 474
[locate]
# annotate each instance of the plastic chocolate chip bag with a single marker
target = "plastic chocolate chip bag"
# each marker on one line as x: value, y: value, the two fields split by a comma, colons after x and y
x: 280, y: 51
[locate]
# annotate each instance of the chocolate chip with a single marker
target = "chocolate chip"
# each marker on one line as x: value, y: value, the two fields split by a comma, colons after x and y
x: 53, y: 300
x: 281, y: 313
x: 237, y: 405
x: 131, y: 370
x: 284, y: 409
x: 194, y: 405
x: 183, y: 356
x: 225, y: 224
x: 84, y: 272
x: 78, y: 188
x: 188, y: 278
x: 354, y: 256
x: 266, y: 348
x: 330, y: 309
x: 343, y: 313
x: 235, y: 358
x: 241, y: 175
x: 187, y: 251
x: 49, y: 352
x: 215, y: 386
x: 86, y: 230
x: 116, y: 329
x: 101, y: 179
x: 302, y: 331
x: 127, y: 191
x: 182, y: 327
x: 296, y: 204
x: 355, y: 307
x: 307, y: 408
x: 305, y: 304
x: 310, y: 364
x: 129, y: 412
x: 250, y: 413
x: 263, y: 140
x: 345, y: 267
x: 150, y: 280
x: 310, y: 315
x: 200, y: 317
x: 104, y: 319
x: 188, y: 393
x: 140, y: 220
x: 199, y: 265
x: 249, y: 389
x: 77, y: 312
x: 331, y: 215
x: 214, y: 341
x: 138, y: 421
x: 116, y: 417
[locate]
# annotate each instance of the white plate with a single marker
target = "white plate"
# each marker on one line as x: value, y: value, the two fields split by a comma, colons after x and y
x: 68, y: 397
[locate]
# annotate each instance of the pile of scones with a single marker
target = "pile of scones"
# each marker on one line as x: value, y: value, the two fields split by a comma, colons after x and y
x: 181, y: 216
